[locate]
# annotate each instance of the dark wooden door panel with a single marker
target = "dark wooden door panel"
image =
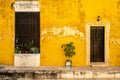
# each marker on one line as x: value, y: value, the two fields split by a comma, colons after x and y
x: 97, y: 44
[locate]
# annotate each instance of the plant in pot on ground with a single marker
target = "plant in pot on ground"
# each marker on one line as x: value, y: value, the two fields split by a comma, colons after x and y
x: 69, y: 50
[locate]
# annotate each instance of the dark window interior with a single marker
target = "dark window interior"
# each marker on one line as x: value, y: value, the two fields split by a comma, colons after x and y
x: 27, y: 31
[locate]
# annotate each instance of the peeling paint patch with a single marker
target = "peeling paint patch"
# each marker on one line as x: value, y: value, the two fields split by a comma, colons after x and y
x: 61, y: 32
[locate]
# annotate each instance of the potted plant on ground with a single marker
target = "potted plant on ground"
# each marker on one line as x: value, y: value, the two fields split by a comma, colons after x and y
x: 69, y: 50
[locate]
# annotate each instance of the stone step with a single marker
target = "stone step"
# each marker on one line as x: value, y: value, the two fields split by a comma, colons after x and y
x: 55, y: 79
x: 55, y: 73
x: 60, y: 79
x: 60, y: 74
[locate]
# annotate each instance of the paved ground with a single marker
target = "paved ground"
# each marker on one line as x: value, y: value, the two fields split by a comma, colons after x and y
x: 59, y: 79
x: 61, y: 68
x: 59, y: 73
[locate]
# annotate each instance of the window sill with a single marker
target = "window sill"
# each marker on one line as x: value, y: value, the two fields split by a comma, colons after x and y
x: 24, y: 59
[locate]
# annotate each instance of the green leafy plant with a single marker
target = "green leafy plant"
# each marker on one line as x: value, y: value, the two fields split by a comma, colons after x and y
x: 29, y: 45
x: 69, y: 49
x: 17, y: 49
x: 34, y: 49
x: 26, y: 48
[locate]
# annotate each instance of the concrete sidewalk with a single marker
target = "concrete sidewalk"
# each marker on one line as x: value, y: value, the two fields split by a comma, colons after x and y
x: 59, y: 73
x: 5, y: 67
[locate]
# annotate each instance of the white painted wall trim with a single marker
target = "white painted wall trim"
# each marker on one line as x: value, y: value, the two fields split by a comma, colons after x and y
x: 107, y: 32
x: 27, y: 60
x: 27, y: 6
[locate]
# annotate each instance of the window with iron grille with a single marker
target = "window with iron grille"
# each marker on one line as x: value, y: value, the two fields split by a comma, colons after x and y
x: 27, y: 32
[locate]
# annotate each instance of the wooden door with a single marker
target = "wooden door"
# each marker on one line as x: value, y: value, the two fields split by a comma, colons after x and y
x: 97, y: 44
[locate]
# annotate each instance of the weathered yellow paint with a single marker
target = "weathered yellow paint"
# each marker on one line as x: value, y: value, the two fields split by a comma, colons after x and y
x: 60, y: 13
x: 6, y: 32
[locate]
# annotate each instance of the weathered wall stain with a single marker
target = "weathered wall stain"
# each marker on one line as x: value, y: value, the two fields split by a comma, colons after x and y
x: 65, y: 31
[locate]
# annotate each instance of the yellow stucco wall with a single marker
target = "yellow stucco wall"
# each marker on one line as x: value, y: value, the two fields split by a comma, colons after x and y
x: 6, y: 32
x: 63, y: 21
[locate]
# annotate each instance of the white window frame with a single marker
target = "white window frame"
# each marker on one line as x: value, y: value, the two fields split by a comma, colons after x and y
x: 27, y: 6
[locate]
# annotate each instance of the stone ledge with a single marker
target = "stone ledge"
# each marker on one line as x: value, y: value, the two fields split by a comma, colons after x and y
x: 58, y: 74
x: 53, y: 79
x: 61, y: 73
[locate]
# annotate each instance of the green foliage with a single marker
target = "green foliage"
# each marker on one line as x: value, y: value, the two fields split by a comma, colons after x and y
x: 34, y: 49
x: 29, y: 47
x: 69, y: 49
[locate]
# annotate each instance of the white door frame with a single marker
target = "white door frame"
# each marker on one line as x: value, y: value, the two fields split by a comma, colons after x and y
x: 106, y: 26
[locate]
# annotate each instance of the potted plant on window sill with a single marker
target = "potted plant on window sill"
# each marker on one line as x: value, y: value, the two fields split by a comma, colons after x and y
x: 69, y: 50
x: 25, y: 53
x: 34, y: 50
x: 26, y: 48
x: 17, y: 50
